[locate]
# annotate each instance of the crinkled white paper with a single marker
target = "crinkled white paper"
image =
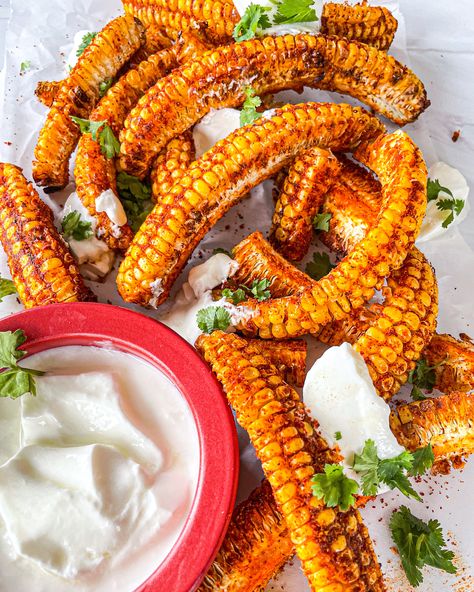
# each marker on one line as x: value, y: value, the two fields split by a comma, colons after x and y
x: 436, y: 40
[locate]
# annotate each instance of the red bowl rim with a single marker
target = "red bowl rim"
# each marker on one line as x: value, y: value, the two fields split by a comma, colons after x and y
x: 85, y: 323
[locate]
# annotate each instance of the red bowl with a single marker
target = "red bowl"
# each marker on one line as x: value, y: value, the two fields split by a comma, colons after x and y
x: 101, y: 324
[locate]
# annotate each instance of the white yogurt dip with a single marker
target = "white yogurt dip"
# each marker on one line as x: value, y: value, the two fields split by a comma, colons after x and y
x: 97, y: 473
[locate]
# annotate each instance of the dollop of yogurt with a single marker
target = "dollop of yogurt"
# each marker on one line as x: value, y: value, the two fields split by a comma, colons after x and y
x: 214, y: 126
x: 341, y: 396
x: 452, y: 179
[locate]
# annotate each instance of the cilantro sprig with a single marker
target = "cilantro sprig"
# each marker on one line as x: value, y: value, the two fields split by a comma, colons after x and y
x: 453, y: 206
x: 254, y: 19
x: 135, y: 196
x: 25, y: 66
x: 86, y: 41
x: 249, y: 112
x: 434, y: 188
x: 393, y: 472
x: 419, y: 543
x: 423, y: 376
x: 7, y: 287
x: 15, y: 381
x: 258, y: 290
x: 213, y: 317
x: 319, y: 266
x: 101, y: 132
x: 73, y: 227
x: 294, y: 11
x: 321, y: 222
x: 334, y: 487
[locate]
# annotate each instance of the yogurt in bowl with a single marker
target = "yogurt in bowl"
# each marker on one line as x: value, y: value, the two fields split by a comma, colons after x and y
x: 113, y: 472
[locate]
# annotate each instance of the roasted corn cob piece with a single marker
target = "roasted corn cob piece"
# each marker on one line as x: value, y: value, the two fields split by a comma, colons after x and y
x: 334, y: 547
x: 47, y: 91
x: 94, y: 173
x: 216, y: 17
x: 374, y: 25
x: 454, y: 361
x: 309, y: 178
x: 40, y: 263
x: 445, y: 422
x: 220, y: 178
x: 101, y: 60
x: 219, y: 78
x: 171, y: 164
x: 289, y: 357
x: 402, y: 172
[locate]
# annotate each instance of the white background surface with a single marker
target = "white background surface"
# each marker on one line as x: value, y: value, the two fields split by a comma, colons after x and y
x: 440, y: 50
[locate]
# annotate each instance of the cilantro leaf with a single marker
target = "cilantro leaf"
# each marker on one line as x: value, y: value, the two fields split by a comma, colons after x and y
x: 135, y: 196
x: 434, y: 188
x: 334, y: 488
x: 86, y: 126
x: 453, y: 206
x: 260, y: 290
x: 105, y: 85
x: 25, y: 66
x: 7, y: 287
x: 294, y: 11
x: 366, y: 464
x: 86, y: 41
x: 15, y: 380
x: 221, y: 250
x: 73, y: 227
x: 254, y: 19
x: 236, y: 296
x: 249, y: 112
x: 419, y: 543
x: 422, y: 376
x: 321, y: 222
x: 319, y: 266
x: 423, y: 459
x: 213, y: 317
x: 338, y: 436
x: 109, y: 145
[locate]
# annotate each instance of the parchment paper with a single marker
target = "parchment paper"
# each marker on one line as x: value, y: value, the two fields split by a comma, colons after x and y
x: 439, y: 49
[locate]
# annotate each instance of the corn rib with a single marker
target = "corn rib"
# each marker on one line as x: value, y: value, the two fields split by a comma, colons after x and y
x: 40, y: 263
x: 454, y: 361
x: 219, y: 79
x: 101, y: 60
x: 47, y: 91
x: 220, y: 178
x: 289, y: 357
x: 171, y: 164
x: 334, y: 547
x: 309, y: 178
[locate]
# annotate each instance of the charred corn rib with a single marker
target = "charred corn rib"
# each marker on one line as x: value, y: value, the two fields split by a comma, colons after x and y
x: 102, y: 59
x: 334, y: 547
x: 47, y: 91
x: 402, y: 172
x: 255, y: 547
x: 374, y: 25
x: 309, y: 178
x: 94, y: 173
x: 220, y: 178
x: 446, y: 422
x: 40, y: 263
x: 217, y: 17
x: 289, y: 357
x: 219, y: 78
x: 171, y: 164
x: 454, y: 361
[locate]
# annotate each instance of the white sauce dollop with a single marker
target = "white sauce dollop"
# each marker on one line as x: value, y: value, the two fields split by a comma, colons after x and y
x: 109, y: 203
x: 452, y: 179
x: 341, y: 396
x: 196, y: 294
x: 97, y: 473
x: 214, y: 126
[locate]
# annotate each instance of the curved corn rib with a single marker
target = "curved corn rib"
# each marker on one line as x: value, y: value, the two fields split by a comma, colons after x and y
x: 454, y: 361
x: 219, y: 79
x: 289, y: 357
x: 40, y: 263
x: 219, y: 17
x: 445, y: 422
x: 171, y: 164
x: 220, y: 178
x: 94, y: 173
x: 400, y: 167
x: 374, y: 25
x: 46, y: 91
x: 309, y: 178
x: 101, y: 60
x: 334, y: 547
